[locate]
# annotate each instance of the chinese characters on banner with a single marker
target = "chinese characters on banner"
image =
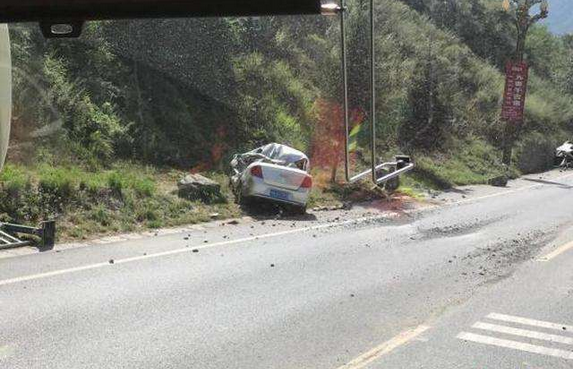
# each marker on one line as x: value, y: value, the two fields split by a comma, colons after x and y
x: 515, y: 91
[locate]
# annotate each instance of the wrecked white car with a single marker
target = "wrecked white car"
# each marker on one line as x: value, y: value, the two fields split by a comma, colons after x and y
x: 272, y: 172
x: 563, y: 155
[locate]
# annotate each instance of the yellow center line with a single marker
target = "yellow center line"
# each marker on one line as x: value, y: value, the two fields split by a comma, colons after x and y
x: 384, y: 348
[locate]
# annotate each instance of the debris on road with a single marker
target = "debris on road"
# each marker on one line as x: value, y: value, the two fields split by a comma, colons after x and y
x: 563, y: 155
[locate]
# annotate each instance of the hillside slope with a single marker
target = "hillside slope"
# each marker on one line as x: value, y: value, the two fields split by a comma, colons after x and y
x: 186, y: 94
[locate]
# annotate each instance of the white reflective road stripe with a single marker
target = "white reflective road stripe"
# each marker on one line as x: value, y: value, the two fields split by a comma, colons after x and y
x: 514, y: 345
x: 532, y: 322
x: 52, y: 273
x: 384, y: 348
x: 186, y: 250
x: 556, y: 252
x: 523, y: 332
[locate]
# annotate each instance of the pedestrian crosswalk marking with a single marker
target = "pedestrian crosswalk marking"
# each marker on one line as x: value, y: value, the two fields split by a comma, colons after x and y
x: 563, y: 342
x: 532, y: 322
x: 515, y: 345
x: 523, y: 332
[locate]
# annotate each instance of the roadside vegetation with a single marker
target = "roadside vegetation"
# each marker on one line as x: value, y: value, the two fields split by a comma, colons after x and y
x: 104, y: 126
x: 127, y: 197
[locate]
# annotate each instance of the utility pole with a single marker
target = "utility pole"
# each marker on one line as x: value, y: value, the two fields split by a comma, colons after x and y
x: 520, y: 12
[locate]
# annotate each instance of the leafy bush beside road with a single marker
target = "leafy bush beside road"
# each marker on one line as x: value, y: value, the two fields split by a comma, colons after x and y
x: 126, y: 197
x: 536, y: 152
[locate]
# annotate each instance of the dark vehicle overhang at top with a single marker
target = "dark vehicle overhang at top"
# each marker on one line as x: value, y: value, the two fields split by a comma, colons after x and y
x: 73, y: 13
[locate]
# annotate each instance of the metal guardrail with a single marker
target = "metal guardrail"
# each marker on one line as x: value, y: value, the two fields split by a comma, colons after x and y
x: 7, y: 241
x: 9, y: 234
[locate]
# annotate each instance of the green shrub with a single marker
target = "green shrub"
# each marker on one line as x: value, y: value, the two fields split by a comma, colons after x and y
x: 101, y: 215
x: 535, y: 152
x: 116, y: 183
x: 144, y: 187
x: 14, y: 180
x: 59, y: 182
x: 94, y: 183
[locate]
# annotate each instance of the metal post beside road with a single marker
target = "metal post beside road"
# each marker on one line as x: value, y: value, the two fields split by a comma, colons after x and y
x: 9, y: 234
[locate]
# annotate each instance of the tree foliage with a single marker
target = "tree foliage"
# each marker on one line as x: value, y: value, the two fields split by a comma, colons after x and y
x: 190, y: 93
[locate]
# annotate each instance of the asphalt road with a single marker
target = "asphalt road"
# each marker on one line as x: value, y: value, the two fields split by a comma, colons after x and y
x: 481, y: 277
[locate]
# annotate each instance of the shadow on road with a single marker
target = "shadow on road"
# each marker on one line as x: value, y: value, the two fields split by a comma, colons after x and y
x: 461, y: 191
x: 264, y: 210
x: 548, y: 182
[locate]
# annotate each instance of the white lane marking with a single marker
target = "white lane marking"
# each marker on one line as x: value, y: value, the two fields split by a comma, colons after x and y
x: 556, y: 252
x: 514, y: 345
x: 52, y: 273
x: 182, y: 250
x: 384, y: 348
x: 532, y: 322
x: 247, y: 239
x: 523, y: 332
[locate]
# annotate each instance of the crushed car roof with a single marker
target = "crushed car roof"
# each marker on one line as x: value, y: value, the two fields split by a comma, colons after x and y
x: 281, y: 152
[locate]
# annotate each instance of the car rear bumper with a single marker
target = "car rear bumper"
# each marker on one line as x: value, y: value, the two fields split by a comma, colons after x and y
x: 260, y: 189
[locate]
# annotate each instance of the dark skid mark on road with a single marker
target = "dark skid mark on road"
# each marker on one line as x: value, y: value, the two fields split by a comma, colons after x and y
x: 266, y: 210
x: 558, y: 184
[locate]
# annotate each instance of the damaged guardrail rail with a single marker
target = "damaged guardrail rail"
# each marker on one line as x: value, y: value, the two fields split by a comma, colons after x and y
x: 10, y: 233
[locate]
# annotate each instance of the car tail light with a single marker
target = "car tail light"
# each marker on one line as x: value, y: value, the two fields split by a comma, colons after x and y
x: 256, y: 171
x: 307, y: 182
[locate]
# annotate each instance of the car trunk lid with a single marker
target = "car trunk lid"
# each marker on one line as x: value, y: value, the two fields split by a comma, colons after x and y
x: 283, y: 177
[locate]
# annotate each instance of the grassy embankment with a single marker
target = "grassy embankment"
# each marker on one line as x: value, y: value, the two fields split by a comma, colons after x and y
x: 125, y: 198
x: 131, y: 197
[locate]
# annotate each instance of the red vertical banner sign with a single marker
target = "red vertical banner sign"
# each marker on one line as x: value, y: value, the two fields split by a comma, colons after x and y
x: 515, y: 91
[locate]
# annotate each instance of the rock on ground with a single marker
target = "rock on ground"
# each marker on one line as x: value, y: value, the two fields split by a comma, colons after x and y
x: 198, y: 187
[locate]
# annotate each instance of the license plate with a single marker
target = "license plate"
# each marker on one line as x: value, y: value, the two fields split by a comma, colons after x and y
x: 280, y: 195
